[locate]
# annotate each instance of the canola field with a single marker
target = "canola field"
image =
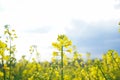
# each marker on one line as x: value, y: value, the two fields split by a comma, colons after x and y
x: 61, y: 67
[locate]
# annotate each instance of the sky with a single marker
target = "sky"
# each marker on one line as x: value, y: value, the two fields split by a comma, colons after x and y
x: 92, y: 25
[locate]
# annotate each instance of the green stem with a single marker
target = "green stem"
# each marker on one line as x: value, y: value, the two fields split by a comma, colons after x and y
x: 3, y: 70
x: 62, y: 63
x: 10, y: 61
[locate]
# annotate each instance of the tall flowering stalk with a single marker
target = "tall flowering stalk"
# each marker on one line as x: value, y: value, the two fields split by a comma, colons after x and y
x: 62, y: 43
x: 10, y: 36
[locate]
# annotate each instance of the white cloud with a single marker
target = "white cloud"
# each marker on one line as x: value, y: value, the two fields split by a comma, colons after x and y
x: 56, y: 13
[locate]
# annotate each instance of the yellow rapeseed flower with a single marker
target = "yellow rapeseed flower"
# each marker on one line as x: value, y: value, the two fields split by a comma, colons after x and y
x: 5, y: 67
x: 55, y: 53
x: 1, y: 74
x: 69, y: 50
x: 66, y: 77
x: 57, y: 73
x: 31, y: 78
